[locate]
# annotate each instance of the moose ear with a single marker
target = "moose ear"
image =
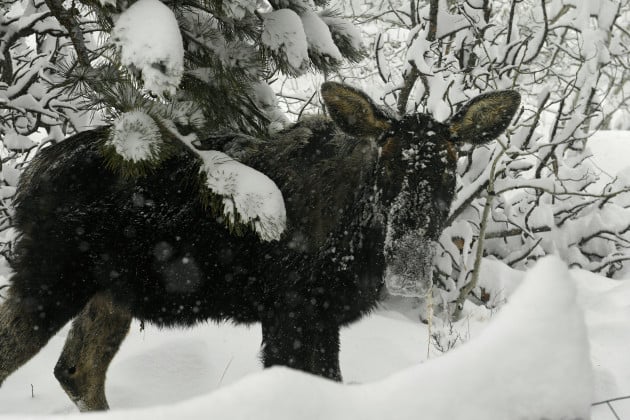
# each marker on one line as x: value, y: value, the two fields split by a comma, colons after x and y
x: 353, y: 111
x: 485, y: 117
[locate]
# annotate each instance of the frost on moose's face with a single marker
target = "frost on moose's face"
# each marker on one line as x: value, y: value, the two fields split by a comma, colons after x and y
x: 419, y: 183
x: 409, y: 269
x: 413, y: 226
x: 416, y: 171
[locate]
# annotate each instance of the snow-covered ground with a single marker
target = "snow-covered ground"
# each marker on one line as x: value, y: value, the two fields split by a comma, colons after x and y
x: 532, y: 359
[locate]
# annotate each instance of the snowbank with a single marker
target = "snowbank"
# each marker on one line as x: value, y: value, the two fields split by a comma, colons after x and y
x: 606, y: 305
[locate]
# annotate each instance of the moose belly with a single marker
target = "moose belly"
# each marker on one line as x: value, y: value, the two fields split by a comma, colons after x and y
x: 184, y: 280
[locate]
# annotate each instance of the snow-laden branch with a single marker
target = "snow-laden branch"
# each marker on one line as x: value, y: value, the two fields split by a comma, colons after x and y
x: 148, y: 37
x: 248, y: 197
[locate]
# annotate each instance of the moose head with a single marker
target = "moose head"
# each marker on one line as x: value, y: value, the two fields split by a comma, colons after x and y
x: 415, y: 184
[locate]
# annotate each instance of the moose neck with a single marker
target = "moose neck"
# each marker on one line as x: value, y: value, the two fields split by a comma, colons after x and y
x: 357, y: 247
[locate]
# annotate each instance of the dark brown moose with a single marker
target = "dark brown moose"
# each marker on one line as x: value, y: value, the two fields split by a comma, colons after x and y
x: 361, y: 189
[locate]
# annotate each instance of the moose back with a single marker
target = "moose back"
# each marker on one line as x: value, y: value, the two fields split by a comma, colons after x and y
x: 362, y: 190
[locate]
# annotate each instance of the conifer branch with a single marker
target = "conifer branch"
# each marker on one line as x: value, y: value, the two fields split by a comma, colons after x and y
x: 67, y: 19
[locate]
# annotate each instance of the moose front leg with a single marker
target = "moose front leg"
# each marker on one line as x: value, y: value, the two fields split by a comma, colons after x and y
x: 283, y: 344
x: 325, y: 352
x: 92, y: 342
x: 309, y: 347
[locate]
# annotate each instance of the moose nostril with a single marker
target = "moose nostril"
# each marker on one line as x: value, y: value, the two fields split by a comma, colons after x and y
x: 72, y: 370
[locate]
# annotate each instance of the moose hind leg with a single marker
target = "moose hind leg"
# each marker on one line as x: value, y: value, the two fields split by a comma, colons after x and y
x: 24, y: 330
x: 92, y: 342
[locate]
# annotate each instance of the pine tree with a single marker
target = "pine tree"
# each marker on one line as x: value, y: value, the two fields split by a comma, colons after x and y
x: 155, y: 71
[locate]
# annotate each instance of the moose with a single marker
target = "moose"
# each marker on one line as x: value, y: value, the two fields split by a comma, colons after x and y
x: 362, y: 190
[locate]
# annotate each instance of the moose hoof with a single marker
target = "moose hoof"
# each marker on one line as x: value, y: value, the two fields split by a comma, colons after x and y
x: 86, y: 395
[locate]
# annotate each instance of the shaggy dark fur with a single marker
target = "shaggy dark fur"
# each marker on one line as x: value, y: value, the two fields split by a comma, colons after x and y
x: 151, y: 248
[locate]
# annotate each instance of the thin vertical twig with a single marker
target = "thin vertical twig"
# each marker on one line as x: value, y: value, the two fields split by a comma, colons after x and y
x: 378, y: 46
x: 465, y: 291
x: 306, y: 104
x: 227, y: 366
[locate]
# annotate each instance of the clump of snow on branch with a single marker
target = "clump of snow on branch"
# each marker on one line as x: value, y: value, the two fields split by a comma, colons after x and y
x: 268, y: 103
x: 248, y: 196
x: 319, y: 38
x: 148, y: 38
x: 239, y: 9
x: 8, y: 179
x: 136, y: 137
x: 341, y: 28
x: 283, y: 34
x: 15, y: 141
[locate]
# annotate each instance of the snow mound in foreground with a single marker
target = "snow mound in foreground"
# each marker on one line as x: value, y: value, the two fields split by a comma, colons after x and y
x: 531, y: 362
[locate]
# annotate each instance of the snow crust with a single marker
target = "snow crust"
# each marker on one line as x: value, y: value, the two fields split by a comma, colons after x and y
x: 149, y: 40
x: 507, y: 373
